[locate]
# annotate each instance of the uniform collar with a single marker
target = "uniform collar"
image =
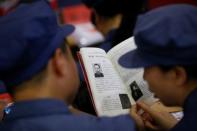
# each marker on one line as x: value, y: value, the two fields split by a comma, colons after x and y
x: 110, y: 35
x: 35, y: 108
x: 190, y: 104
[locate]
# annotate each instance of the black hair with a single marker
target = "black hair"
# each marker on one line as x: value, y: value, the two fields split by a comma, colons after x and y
x: 63, y: 46
x: 105, y: 8
x: 131, y: 10
x: 97, y: 65
x: 191, y: 70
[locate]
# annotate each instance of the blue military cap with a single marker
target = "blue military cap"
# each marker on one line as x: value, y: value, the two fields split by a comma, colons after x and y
x: 29, y: 36
x: 164, y: 36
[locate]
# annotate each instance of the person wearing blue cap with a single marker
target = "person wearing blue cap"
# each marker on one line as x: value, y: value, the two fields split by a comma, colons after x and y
x: 39, y: 71
x: 166, y: 40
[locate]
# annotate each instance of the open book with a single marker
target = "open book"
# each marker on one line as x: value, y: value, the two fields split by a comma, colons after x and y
x: 113, y: 89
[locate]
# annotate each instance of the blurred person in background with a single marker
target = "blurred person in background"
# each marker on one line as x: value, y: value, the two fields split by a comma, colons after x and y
x: 115, y: 19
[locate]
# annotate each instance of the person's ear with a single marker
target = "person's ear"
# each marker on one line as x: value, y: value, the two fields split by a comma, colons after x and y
x: 59, y: 62
x: 180, y: 75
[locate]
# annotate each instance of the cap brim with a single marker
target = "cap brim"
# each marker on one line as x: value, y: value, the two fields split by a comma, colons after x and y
x: 133, y: 59
x: 67, y: 30
x: 62, y: 33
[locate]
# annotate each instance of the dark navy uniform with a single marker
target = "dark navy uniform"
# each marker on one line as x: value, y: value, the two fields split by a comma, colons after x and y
x: 53, y: 115
x: 188, y: 122
x: 107, y: 44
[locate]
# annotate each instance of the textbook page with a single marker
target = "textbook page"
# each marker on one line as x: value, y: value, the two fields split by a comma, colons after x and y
x: 108, y: 91
x: 132, y: 78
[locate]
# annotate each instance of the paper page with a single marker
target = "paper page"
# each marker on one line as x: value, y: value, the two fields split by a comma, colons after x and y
x: 86, y: 35
x: 178, y: 115
x: 108, y: 91
x: 133, y: 78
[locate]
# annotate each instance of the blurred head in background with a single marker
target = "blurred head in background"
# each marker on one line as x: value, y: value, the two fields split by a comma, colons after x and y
x: 115, y: 14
